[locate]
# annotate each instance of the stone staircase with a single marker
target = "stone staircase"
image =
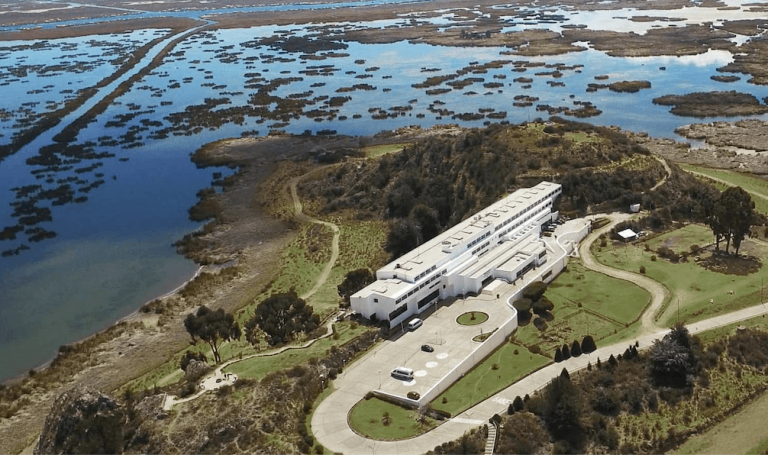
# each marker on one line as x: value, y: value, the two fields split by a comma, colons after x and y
x: 490, y: 443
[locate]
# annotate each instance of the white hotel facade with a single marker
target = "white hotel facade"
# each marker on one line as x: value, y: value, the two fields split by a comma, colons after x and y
x: 502, y: 241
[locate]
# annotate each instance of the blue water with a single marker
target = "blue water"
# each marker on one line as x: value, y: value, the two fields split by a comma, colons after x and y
x: 113, y: 252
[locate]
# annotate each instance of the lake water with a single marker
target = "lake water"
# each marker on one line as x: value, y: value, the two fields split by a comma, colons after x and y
x: 128, y: 197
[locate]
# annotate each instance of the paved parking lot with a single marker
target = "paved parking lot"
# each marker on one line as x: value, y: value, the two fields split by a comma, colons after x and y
x: 452, y: 342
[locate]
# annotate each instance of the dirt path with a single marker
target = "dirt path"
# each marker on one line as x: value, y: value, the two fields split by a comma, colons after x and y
x: 171, y: 400
x: 300, y: 215
x: 658, y: 292
x: 666, y: 168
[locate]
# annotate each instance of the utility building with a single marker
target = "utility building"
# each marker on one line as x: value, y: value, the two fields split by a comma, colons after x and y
x: 502, y: 241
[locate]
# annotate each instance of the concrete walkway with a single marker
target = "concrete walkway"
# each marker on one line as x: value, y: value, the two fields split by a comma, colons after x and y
x: 219, y: 379
x: 329, y: 422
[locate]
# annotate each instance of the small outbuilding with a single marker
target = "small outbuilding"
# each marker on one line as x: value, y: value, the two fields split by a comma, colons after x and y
x: 634, y: 208
x: 627, y: 235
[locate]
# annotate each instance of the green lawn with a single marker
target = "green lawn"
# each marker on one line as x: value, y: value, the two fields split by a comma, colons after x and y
x: 367, y: 418
x: 466, y: 318
x: 483, y: 381
x: 690, y: 284
x: 680, y: 240
x: 258, y: 367
x: 750, y: 183
x: 617, y: 299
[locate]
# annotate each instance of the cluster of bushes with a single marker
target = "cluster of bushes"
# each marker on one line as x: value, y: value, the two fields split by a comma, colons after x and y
x: 564, y: 353
x: 439, y: 181
x: 585, y: 413
x: 534, y: 300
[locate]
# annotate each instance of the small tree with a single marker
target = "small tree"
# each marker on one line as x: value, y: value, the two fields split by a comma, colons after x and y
x: 565, y: 375
x: 213, y: 327
x: 542, y: 306
x: 518, y: 404
x: 566, y: 352
x: 588, y: 345
x: 612, y: 361
x: 575, y: 349
x: 510, y: 409
x: 558, y: 355
x: 386, y: 419
x: 523, y: 304
x: 535, y: 290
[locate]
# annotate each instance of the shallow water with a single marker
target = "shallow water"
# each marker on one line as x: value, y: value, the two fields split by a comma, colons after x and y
x: 113, y: 252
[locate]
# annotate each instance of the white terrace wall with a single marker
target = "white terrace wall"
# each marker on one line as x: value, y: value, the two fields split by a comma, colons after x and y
x: 485, y: 348
x: 567, y: 243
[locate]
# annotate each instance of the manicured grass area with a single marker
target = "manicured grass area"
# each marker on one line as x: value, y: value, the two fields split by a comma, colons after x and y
x: 466, y: 318
x: 607, y: 305
x: 258, y: 367
x: 367, y: 418
x: 617, y: 299
x: 690, y: 284
x: 484, y: 381
x: 681, y: 240
x: 750, y: 183
x: 378, y: 150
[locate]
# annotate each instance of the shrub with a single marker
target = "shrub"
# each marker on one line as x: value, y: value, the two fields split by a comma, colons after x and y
x: 510, y: 409
x: 588, y: 345
x: 566, y: 352
x: 542, y: 306
x: 558, y: 355
x: 534, y: 349
x: 518, y: 404
x: 523, y: 304
x: 575, y: 349
x: 642, y: 269
x: 413, y: 395
x: 535, y: 290
x: 653, y: 258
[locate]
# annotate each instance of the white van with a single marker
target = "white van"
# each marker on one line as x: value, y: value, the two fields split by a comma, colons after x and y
x: 415, y: 324
x: 403, y: 373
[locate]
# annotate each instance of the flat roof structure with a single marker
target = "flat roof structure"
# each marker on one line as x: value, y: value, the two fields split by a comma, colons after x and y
x: 463, y: 258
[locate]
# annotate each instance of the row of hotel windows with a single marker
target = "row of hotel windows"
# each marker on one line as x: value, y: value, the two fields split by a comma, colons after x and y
x: 413, y: 291
x: 524, y: 220
x: 481, y: 247
x: 422, y: 303
x: 421, y: 275
x: 524, y: 211
x: 479, y: 239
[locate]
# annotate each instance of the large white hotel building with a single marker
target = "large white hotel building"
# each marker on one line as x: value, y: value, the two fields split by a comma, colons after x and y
x: 503, y: 241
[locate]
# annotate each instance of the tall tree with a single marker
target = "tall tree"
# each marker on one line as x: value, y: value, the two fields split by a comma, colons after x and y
x: 213, y: 327
x: 732, y: 217
x: 283, y: 316
x: 354, y: 281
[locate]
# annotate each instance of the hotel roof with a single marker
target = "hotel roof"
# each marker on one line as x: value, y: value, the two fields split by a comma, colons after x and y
x: 432, y: 252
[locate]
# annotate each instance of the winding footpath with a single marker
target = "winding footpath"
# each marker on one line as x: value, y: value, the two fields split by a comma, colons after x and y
x: 218, y: 378
x: 659, y: 293
x: 331, y: 428
x: 301, y: 216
